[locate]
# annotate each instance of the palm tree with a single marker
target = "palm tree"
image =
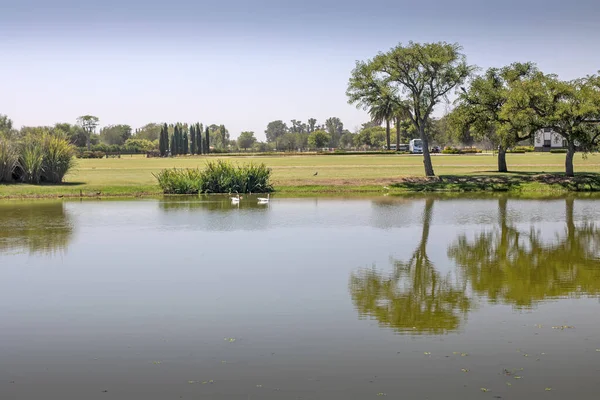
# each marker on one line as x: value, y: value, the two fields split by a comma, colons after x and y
x: 384, y: 108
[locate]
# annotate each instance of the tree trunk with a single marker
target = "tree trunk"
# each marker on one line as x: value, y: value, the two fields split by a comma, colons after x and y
x: 426, y: 155
x: 397, y: 134
x: 569, y: 159
x: 387, y: 133
x: 502, y: 159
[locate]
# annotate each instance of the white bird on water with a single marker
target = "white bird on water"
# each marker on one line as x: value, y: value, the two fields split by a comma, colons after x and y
x: 263, y: 200
x: 235, y: 200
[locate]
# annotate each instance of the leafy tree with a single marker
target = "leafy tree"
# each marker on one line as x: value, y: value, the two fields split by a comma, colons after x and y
x: 319, y: 139
x: 6, y: 124
x: 488, y: 109
x: 275, y: 130
x: 223, y: 137
x: 139, y: 145
x: 421, y: 75
x: 246, y: 140
x: 288, y: 142
x: 335, y: 127
x: 371, y: 136
x: 115, y: 134
x: 347, y: 140
x: 149, y: 132
x: 569, y: 108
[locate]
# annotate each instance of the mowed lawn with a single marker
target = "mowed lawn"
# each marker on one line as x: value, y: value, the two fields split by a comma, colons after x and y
x: 134, y: 174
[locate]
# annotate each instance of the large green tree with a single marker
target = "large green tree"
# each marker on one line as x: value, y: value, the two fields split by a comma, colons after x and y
x: 275, y: 130
x: 494, y: 107
x: 319, y: 139
x: 569, y: 108
x: 149, y: 132
x: 199, y: 141
x: 115, y: 134
x: 246, y: 140
x: 422, y: 76
x: 193, y: 148
x: 334, y: 127
x: 383, y: 110
x: 89, y: 123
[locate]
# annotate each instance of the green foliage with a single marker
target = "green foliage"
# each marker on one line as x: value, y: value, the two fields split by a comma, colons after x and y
x: 417, y: 77
x: 217, y: 177
x: 319, y: 139
x: 275, y: 130
x: 470, y: 150
x: 562, y: 151
x: 115, y: 134
x: 451, y: 150
x: 57, y: 159
x: 9, y: 158
x: 91, y: 154
x: 139, y: 145
x: 246, y: 140
x: 522, y: 149
x: 179, y: 181
x: 31, y: 160
x: 149, y: 132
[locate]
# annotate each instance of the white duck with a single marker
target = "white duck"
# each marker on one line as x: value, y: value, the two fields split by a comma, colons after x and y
x: 235, y: 200
x: 264, y: 200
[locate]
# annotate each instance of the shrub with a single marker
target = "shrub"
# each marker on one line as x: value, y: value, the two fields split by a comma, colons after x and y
x: 91, y: 154
x: 558, y: 151
x: 179, y: 181
x: 522, y: 149
x: 470, y: 150
x: 31, y: 160
x: 451, y: 150
x: 58, y: 158
x: 9, y: 158
x: 217, y: 177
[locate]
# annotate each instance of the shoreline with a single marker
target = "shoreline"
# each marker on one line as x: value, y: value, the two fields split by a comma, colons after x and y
x: 510, y: 184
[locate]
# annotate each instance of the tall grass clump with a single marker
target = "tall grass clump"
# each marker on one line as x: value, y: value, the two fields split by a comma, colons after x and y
x: 179, y: 181
x: 9, y: 158
x: 217, y: 177
x: 58, y: 158
x: 31, y: 160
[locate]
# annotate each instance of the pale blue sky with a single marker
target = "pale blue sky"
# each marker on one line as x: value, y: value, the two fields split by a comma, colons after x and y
x: 245, y: 63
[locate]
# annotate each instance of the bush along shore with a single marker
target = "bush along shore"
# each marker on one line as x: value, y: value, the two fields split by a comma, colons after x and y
x: 217, y: 177
x: 35, y: 158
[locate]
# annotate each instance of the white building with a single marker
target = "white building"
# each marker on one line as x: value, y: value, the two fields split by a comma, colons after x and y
x: 546, y: 139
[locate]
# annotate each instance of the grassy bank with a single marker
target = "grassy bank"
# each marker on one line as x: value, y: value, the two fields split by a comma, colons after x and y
x: 132, y: 176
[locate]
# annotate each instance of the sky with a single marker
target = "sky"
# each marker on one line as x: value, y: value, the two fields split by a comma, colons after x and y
x: 243, y: 63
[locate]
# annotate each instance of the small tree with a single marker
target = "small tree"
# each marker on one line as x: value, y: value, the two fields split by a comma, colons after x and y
x: 319, y: 139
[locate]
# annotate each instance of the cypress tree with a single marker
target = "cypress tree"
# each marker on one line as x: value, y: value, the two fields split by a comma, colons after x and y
x: 161, y: 143
x: 192, y: 139
x: 207, y: 148
x: 173, y: 145
x: 199, y: 138
x: 186, y: 145
x: 166, y: 139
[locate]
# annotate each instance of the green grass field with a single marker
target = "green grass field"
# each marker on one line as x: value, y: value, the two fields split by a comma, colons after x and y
x: 343, y: 173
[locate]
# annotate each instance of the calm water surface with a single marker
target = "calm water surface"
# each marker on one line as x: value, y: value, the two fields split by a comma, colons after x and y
x: 300, y: 299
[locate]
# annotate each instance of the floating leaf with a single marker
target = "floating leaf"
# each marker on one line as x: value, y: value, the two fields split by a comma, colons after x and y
x: 464, y: 370
x: 427, y: 353
x: 508, y: 384
x: 525, y: 355
x: 155, y: 362
x: 485, y: 390
x: 464, y: 354
x: 517, y: 377
x: 191, y: 382
x: 456, y: 352
x: 539, y: 326
x: 381, y: 394
x: 204, y: 383
x: 548, y: 389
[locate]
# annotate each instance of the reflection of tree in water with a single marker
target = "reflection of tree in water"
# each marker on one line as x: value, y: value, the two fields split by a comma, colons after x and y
x: 519, y: 269
x: 414, y: 298
x: 39, y: 227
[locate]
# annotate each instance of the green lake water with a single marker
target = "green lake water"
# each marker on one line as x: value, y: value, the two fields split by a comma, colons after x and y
x: 312, y: 298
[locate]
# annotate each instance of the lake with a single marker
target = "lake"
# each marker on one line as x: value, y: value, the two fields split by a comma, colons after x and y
x: 309, y: 298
